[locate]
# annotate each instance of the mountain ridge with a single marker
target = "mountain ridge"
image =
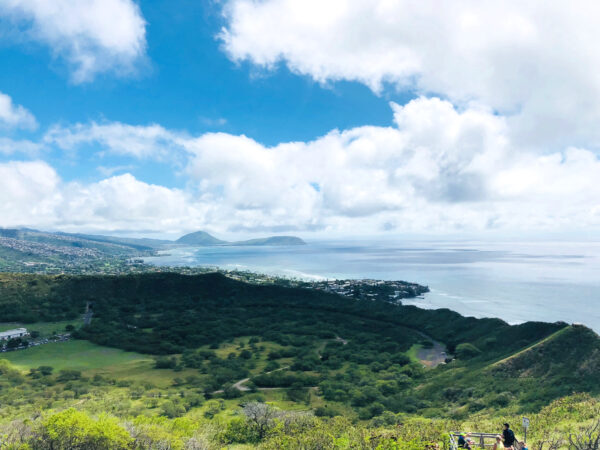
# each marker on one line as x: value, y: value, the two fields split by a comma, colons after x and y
x: 23, y: 248
x: 202, y: 238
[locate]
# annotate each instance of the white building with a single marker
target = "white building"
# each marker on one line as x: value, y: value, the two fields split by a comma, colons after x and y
x: 12, y: 334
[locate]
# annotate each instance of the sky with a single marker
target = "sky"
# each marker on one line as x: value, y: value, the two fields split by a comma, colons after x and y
x: 338, y: 118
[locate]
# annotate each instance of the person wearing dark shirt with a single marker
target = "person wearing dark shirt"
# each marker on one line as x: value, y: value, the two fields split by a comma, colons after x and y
x: 508, y: 437
x: 462, y: 442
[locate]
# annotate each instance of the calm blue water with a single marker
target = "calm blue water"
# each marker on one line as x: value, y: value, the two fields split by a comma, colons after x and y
x: 515, y: 281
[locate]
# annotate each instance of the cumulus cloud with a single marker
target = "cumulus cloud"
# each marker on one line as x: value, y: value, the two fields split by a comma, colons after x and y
x: 33, y: 194
x: 15, y: 116
x: 92, y: 36
x: 10, y: 146
x: 144, y: 142
x: 29, y: 193
x: 437, y: 168
x: 535, y: 62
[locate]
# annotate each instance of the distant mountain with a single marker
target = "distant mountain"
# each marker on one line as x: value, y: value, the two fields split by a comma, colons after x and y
x: 25, y: 249
x: 273, y: 240
x: 200, y: 238
x: 28, y: 249
x: 137, y: 243
x: 34, y: 242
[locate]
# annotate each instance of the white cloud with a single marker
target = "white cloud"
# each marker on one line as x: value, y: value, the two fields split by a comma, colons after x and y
x: 109, y: 171
x: 29, y: 193
x: 144, y: 142
x: 10, y: 146
x: 93, y: 36
x: 123, y: 202
x: 437, y: 169
x: 536, y: 62
x: 32, y: 194
x: 15, y: 116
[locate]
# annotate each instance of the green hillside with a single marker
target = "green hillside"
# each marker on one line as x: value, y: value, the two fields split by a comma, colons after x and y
x: 175, y: 358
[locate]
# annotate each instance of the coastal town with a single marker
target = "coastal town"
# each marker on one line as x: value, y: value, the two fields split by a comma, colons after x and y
x: 48, y: 250
x: 369, y: 289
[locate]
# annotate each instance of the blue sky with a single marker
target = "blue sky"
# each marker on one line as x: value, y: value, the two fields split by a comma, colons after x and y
x: 349, y: 117
x: 188, y: 83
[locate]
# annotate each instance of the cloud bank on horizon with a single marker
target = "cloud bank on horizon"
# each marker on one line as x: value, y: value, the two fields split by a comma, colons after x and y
x: 502, y: 134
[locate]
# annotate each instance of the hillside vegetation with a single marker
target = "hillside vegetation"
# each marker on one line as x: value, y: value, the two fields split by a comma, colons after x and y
x: 179, y: 358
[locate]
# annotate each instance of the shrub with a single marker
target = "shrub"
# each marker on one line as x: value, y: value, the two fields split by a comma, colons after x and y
x: 239, y: 431
x: 467, y: 351
x: 74, y: 429
x: 68, y: 375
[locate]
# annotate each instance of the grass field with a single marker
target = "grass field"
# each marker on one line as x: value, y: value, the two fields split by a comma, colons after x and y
x: 94, y: 359
x: 80, y: 355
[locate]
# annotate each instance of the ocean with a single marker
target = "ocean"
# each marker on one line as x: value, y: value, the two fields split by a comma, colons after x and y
x: 516, y: 281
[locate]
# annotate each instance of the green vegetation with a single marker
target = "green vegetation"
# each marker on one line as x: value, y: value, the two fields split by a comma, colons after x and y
x: 204, y: 361
x: 80, y: 355
x: 33, y: 251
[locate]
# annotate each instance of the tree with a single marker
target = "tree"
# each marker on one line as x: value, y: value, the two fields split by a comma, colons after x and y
x: 45, y: 370
x: 72, y: 429
x: 165, y: 363
x: 68, y: 375
x: 239, y: 430
x: 466, y: 351
x: 15, y: 343
x: 587, y: 438
x: 212, y: 408
x: 260, y: 416
x: 171, y: 409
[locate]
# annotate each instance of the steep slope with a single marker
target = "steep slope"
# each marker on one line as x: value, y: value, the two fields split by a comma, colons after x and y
x: 570, y: 356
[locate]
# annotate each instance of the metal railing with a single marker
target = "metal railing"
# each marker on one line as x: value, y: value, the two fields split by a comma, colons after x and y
x: 480, y: 440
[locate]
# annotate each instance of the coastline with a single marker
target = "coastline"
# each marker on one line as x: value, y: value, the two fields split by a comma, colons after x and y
x: 513, y: 283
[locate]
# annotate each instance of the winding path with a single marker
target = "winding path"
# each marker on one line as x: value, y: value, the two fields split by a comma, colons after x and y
x: 239, y: 385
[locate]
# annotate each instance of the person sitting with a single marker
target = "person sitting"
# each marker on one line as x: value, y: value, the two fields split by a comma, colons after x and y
x: 463, y: 442
x: 498, y: 444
